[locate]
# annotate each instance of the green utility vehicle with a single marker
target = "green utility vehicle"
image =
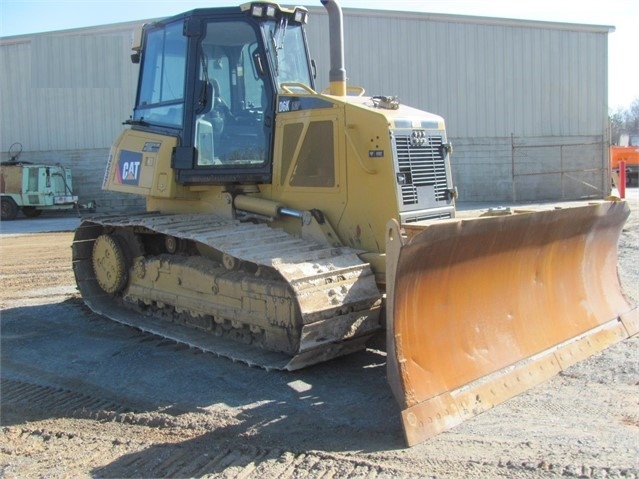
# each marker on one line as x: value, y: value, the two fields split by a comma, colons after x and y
x: 34, y: 187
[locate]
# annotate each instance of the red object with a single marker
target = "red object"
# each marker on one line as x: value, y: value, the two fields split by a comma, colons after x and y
x: 622, y: 179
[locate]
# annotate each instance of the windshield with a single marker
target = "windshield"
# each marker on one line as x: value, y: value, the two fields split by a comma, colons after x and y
x: 287, y: 50
x: 232, y: 98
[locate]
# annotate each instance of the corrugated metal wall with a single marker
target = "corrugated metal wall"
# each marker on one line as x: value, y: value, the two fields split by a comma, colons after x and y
x: 525, y: 102
x: 66, y: 90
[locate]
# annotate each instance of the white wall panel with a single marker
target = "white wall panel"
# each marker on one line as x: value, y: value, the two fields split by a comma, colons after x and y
x: 66, y: 91
x: 486, y: 79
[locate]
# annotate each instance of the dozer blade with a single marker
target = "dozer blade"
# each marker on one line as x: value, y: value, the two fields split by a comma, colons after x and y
x: 480, y: 310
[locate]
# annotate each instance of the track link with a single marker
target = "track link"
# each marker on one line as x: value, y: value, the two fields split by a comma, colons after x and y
x: 300, y: 302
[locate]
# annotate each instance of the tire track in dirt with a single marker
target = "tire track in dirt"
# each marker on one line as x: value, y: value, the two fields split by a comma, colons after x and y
x: 196, y: 457
x: 243, y: 461
x: 201, y: 454
x: 49, y: 400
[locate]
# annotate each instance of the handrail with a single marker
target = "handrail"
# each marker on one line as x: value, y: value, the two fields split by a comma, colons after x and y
x: 286, y: 87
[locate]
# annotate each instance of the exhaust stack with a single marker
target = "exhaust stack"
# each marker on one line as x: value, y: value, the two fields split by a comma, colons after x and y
x: 337, y: 74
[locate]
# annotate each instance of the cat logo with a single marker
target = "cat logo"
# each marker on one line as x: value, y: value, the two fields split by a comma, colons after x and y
x: 129, y: 168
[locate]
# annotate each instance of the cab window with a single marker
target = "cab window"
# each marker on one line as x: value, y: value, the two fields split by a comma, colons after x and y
x: 161, y: 93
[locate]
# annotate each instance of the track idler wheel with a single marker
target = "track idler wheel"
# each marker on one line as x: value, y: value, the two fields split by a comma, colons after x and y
x: 109, y: 264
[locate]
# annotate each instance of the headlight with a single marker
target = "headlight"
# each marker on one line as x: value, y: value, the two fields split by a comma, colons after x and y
x: 264, y: 10
x: 418, y: 138
x: 257, y: 10
x: 301, y: 16
x: 271, y: 11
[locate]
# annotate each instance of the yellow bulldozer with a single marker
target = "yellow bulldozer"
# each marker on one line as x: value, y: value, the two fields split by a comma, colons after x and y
x: 285, y: 227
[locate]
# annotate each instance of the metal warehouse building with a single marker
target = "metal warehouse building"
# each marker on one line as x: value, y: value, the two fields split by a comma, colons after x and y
x: 525, y: 101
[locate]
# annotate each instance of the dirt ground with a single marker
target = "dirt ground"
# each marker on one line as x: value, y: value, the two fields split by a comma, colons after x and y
x: 85, y: 397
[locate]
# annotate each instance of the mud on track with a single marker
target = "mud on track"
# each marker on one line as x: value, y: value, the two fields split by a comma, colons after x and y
x: 85, y: 397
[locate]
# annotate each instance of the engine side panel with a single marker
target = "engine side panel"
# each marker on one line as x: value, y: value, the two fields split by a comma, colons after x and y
x: 140, y: 163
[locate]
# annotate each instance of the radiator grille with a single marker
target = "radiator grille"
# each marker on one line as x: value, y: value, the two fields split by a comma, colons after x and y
x: 421, y: 165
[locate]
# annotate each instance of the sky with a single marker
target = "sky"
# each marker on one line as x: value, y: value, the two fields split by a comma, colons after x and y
x: 18, y: 17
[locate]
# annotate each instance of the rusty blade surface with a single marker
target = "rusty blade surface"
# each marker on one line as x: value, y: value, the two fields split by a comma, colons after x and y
x: 480, y: 310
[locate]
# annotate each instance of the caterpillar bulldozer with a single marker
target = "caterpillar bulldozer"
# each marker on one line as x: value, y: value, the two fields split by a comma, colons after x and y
x: 285, y: 227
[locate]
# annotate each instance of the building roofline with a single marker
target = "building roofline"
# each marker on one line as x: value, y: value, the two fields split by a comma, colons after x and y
x: 359, y: 12
x: 95, y: 29
x: 474, y: 19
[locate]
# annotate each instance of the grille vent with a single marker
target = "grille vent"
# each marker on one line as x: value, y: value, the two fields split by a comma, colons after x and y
x: 421, y: 165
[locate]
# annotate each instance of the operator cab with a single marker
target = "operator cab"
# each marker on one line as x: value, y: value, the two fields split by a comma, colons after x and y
x: 210, y: 77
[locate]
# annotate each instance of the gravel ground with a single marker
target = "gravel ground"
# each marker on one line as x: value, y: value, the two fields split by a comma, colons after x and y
x: 85, y: 397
